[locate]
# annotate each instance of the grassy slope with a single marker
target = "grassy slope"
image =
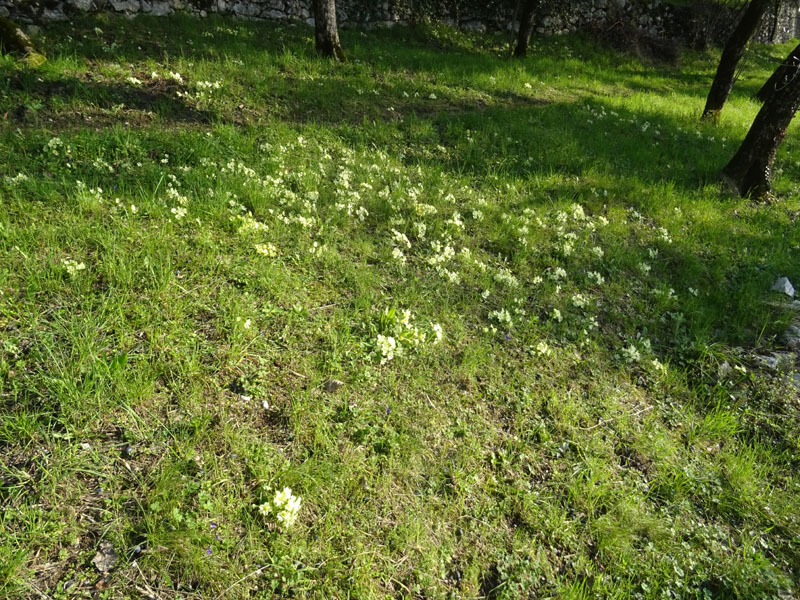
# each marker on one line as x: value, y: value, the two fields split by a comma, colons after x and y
x: 574, y: 434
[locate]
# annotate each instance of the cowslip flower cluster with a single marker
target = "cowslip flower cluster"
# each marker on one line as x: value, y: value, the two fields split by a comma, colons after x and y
x: 398, y: 333
x: 179, y: 211
x: 285, y: 507
x: 631, y: 354
x: 267, y: 249
x: 387, y: 346
x: 502, y: 316
x: 73, y: 267
x: 17, y: 179
x: 56, y: 147
x: 506, y: 277
x: 596, y: 277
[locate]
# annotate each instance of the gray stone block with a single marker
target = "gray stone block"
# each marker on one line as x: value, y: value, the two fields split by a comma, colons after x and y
x: 126, y: 5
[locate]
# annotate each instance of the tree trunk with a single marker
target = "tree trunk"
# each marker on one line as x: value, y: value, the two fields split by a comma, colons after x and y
x: 750, y: 170
x: 327, y: 33
x: 776, y: 17
x: 513, y: 27
x: 781, y: 76
x: 525, y: 27
x: 731, y: 55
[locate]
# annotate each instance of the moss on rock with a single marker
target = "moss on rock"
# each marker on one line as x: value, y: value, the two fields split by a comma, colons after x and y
x: 13, y: 40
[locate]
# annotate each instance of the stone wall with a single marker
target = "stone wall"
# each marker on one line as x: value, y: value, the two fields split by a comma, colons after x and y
x: 655, y: 17
x: 781, y: 25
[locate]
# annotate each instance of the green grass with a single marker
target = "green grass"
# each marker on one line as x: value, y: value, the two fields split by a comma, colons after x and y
x: 591, y: 424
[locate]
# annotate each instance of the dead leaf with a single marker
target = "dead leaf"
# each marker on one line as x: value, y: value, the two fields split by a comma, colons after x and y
x: 103, y: 583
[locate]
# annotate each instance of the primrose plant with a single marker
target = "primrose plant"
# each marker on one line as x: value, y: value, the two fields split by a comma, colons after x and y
x: 283, y: 508
x: 397, y: 334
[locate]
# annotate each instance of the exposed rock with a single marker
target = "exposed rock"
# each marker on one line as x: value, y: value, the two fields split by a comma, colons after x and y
x: 724, y: 370
x: 791, y: 337
x: 246, y: 9
x: 776, y: 361
x: 655, y: 17
x: 106, y: 557
x: 333, y: 385
x: 126, y: 5
x: 159, y: 9
x: 15, y: 41
x: 53, y: 14
x: 784, y: 286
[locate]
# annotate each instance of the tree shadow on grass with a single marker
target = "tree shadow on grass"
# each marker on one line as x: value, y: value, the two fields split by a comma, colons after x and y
x: 531, y: 138
x: 182, y: 36
x: 88, y: 101
x: 437, y: 54
x: 620, y: 154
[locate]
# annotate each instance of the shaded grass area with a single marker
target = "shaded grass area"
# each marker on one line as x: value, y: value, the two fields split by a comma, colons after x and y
x: 189, y: 265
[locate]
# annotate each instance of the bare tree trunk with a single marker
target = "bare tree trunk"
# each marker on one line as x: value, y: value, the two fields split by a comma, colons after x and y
x: 525, y: 27
x: 327, y: 33
x: 513, y: 25
x: 781, y: 76
x: 776, y: 17
x: 731, y: 55
x: 749, y: 171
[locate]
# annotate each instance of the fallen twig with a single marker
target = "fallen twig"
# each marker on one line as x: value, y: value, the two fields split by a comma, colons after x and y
x: 248, y: 576
x: 612, y: 419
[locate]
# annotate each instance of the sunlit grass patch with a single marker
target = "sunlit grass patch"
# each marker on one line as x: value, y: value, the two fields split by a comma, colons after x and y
x: 432, y: 323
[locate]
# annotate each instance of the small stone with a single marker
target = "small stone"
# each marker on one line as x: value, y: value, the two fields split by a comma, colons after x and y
x: 126, y: 5
x: 776, y: 361
x: 53, y: 14
x: 767, y: 362
x: 784, y: 286
x: 106, y: 557
x: 246, y: 10
x: 333, y: 385
x: 725, y: 369
x: 791, y: 337
x: 160, y: 9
